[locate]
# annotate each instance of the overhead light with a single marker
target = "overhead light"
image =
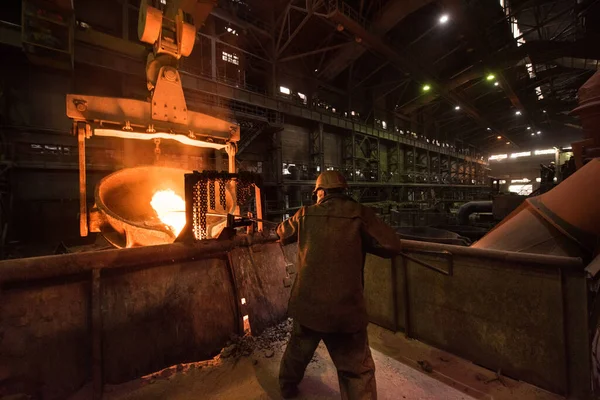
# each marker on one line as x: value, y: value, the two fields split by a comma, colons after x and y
x: 316, y: 70
x: 496, y: 83
x: 521, y: 154
x: 518, y: 113
x: 489, y: 129
x: 499, y: 137
x: 532, y: 134
x: 538, y: 180
x: 522, y: 180
x: 444, y: 18
x: 528, y: 128
x: 539, y: 132
x: 284, y: 90
x: 498, y: 157
x: 426, y: 88
x: 457, y: 108
x: 544, y: 111
x: 543, y: 152
x: 491, y: 77
x: 507, y: 142
x: 353, y: 113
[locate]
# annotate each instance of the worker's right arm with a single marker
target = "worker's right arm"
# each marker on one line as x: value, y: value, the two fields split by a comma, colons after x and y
x: 378, y: 237
x: 288, y: 229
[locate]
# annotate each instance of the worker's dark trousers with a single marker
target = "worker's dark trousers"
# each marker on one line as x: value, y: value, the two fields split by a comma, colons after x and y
x: 350, y: 353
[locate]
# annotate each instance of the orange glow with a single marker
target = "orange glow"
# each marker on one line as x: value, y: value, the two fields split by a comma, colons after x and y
x: 170, y: 208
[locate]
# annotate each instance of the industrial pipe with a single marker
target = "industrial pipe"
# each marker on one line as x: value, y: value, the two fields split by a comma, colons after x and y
x: 472, y: 207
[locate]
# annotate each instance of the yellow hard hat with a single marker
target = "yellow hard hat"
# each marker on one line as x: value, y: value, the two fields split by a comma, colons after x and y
x: 330, y: 180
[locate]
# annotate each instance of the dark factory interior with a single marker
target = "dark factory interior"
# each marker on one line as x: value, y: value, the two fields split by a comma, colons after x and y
x: 313, y: 199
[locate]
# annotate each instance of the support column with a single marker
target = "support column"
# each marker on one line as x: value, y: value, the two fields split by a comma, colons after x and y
x: 231, y: 151
x: 414, y: 157
x: 428, y: 157
x: 317, y: 151
x: 353, y: 155
x: 213, y: 57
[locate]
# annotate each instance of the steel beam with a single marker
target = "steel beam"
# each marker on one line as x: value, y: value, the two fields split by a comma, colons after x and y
x: 405, y: 64
x: 317, y: 51
x: 291, y: 37
x: 386, y: 19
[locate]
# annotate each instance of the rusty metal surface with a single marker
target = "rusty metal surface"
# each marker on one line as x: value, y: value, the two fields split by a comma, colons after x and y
x: 118, y: 110
x: 168, y: 101
x: 522, y: 313
x: 572, y: 206
x: 379, y: 285
x: 157, y: 317
x: 45, y: 338
x: 146, y: 308
x: 34, y: 268
x: 563, y: 221
x: 525, y: 230
x: 259, y: 273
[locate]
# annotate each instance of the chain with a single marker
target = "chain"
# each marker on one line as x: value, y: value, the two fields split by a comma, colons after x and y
x: 244, y: 191
x: 203, y: 208
x: 195, y: 212
x: 211, y: 193
x: 222, y: 196
x: 157, y: 149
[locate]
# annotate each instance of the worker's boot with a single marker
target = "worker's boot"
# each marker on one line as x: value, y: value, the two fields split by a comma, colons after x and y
x: 289, y: 391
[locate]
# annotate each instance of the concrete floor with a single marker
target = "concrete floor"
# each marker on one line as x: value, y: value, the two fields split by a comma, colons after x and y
x: 399, y: 376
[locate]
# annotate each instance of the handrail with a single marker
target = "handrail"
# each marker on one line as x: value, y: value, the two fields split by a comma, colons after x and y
x: 25, y: 269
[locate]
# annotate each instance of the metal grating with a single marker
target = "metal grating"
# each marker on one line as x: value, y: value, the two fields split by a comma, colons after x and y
x: 200, y: 196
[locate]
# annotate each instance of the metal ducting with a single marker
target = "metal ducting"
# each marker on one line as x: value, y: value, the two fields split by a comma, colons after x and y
x: 472, y: 207
x: 564, y: 221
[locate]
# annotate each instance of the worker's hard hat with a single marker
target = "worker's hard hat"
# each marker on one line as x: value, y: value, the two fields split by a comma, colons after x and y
x: 330, y: 180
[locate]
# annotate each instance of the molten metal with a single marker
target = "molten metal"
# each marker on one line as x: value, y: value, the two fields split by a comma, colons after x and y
x: 170, y: 209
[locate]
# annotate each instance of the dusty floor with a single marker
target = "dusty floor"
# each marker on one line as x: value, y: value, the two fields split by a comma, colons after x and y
x: 255, y: 377
x: 406, y: 369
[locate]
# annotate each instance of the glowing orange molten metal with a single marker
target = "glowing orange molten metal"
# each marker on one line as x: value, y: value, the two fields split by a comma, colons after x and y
x: 170, y: 208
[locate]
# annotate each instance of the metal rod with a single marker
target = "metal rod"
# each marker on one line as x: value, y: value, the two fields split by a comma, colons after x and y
x: 317, y: 51
x: 294, y: 34
x: 83, y: 227
x: 26, y: 269
x: 259, y: 210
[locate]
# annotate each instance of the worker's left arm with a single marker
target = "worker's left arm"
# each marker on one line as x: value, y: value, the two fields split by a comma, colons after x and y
x: 378, y: 237
x: 288, y: 229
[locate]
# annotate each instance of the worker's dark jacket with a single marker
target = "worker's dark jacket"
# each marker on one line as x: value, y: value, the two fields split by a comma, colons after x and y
x: 333, y: 237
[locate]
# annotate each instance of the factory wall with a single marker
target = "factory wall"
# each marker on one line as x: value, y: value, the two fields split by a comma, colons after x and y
x: 295, y: 144
x: 332, y: 144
